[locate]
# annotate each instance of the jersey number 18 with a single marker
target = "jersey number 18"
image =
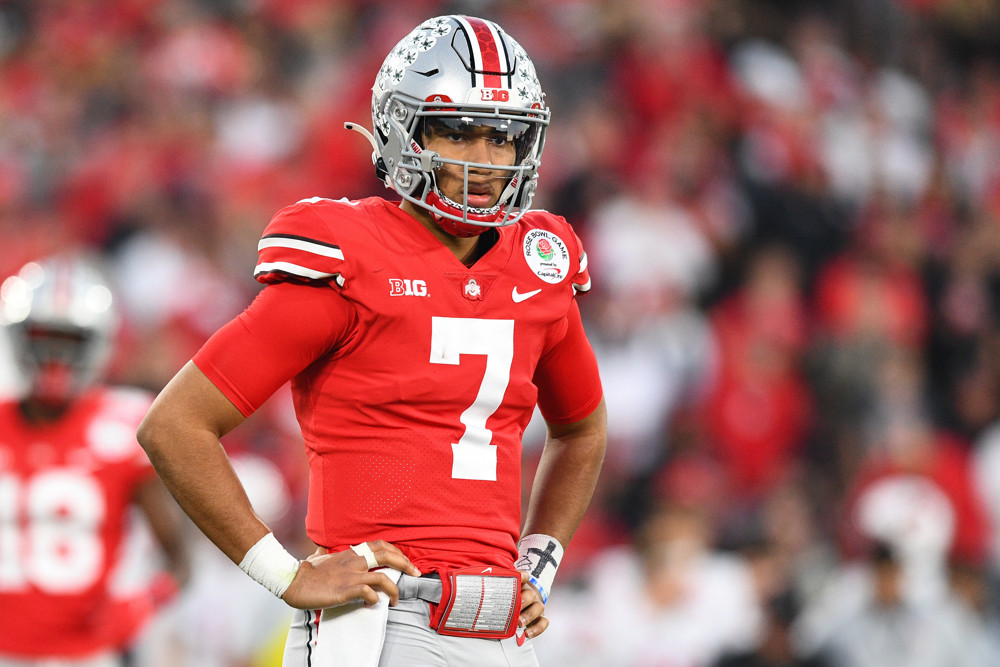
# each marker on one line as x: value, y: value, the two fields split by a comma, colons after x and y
x: 56, y: 548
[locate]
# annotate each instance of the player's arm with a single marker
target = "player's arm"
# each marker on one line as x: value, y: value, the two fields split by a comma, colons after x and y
x: 571, y: 400
x: 564, y: 484
x: 180, y: 434
x: 250, y: 358
x: 567, y: 475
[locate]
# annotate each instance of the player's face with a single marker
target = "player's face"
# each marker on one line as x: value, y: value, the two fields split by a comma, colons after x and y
x: 55, y: 355
x: 481, y: 143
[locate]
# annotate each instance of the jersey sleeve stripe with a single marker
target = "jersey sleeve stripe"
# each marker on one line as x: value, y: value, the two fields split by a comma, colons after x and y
x: 291, y: 269
x: 584, y: 287
x: 300, y: 243
x: 583, y: 262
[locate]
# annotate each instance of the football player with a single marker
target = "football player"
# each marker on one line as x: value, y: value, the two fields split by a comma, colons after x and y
x: 418, y: 335
x: 70, y: 470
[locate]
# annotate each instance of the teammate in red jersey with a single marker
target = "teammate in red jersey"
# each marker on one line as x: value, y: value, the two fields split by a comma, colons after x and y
x: 418, y: 337
x: 70, y: 469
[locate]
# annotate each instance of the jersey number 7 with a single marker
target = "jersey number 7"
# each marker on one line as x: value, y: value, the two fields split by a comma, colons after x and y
x: 474, y: 456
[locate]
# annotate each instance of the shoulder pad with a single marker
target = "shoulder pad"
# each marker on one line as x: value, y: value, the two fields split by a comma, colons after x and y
x: 300, y: 243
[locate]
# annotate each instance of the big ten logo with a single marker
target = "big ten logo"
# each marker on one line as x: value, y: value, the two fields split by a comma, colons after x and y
x: 494, y: 94
x: 406, y: 287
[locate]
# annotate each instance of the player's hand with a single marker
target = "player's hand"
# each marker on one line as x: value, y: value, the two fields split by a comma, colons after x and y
x: 329, y: 580
x: 532, y: 608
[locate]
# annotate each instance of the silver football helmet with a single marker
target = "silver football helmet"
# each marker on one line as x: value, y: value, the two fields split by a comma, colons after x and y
x: 60, y: 315
x: 463, y: 72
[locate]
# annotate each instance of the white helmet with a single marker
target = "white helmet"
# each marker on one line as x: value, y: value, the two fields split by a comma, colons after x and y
x: 461, y: 71
x: 60, y: 316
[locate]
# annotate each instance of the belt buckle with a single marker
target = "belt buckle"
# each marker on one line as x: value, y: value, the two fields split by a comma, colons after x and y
x: 479, y: 602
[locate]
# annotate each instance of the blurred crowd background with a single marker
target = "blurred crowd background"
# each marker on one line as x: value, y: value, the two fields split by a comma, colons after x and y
x: 792, y: 211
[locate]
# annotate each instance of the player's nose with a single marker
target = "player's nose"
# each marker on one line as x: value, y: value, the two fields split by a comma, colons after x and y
x: 480, y: 151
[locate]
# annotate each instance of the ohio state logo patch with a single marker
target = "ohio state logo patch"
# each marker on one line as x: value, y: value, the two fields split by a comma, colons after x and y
x: 546, y: 255
x: 472, y: 290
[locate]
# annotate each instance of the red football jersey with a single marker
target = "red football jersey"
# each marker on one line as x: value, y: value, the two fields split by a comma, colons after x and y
x: 414, y: 415
x: 65, y: 490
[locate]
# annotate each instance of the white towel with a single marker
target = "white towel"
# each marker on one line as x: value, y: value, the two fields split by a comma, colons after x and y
x: 353, y: 634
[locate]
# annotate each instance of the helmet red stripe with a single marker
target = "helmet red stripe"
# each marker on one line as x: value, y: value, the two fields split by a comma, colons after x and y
x: 489, y: 52
x: 62, y: 287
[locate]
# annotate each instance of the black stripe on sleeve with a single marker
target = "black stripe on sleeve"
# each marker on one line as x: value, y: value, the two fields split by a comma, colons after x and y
x: 285, y: 276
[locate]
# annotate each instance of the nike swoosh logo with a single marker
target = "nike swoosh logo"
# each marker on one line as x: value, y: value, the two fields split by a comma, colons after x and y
x: 519, y: 297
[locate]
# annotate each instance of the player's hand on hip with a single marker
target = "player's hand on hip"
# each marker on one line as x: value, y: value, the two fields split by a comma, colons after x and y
x: 329, y: 580
x: 532, y: 608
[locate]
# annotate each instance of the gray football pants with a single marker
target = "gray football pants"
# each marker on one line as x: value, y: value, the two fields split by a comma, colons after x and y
x: 410, y: 641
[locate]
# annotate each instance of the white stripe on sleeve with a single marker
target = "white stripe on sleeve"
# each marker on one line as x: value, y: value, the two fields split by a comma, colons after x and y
x: 299, y: 244
x: 292, y: 269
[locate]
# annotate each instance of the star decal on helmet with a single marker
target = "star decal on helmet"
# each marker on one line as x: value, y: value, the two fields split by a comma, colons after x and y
x: 436, y: 22
x: 425, y: 42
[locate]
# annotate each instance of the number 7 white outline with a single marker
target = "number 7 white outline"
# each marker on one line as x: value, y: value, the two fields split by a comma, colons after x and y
x: 474, y: 456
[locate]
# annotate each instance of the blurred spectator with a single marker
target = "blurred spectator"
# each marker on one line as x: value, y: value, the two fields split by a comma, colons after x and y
x: 986, y: 462
x: 867, y: 619
x: 672, y: 599
x: 873, y: 293
x: 655, y: 363
x: 758, y: 413
x: 777, y: 647
x: 915, y: 487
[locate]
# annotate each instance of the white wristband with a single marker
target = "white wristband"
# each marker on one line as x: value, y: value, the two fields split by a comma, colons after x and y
x: 539, y: 555
x: 270, y: 565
